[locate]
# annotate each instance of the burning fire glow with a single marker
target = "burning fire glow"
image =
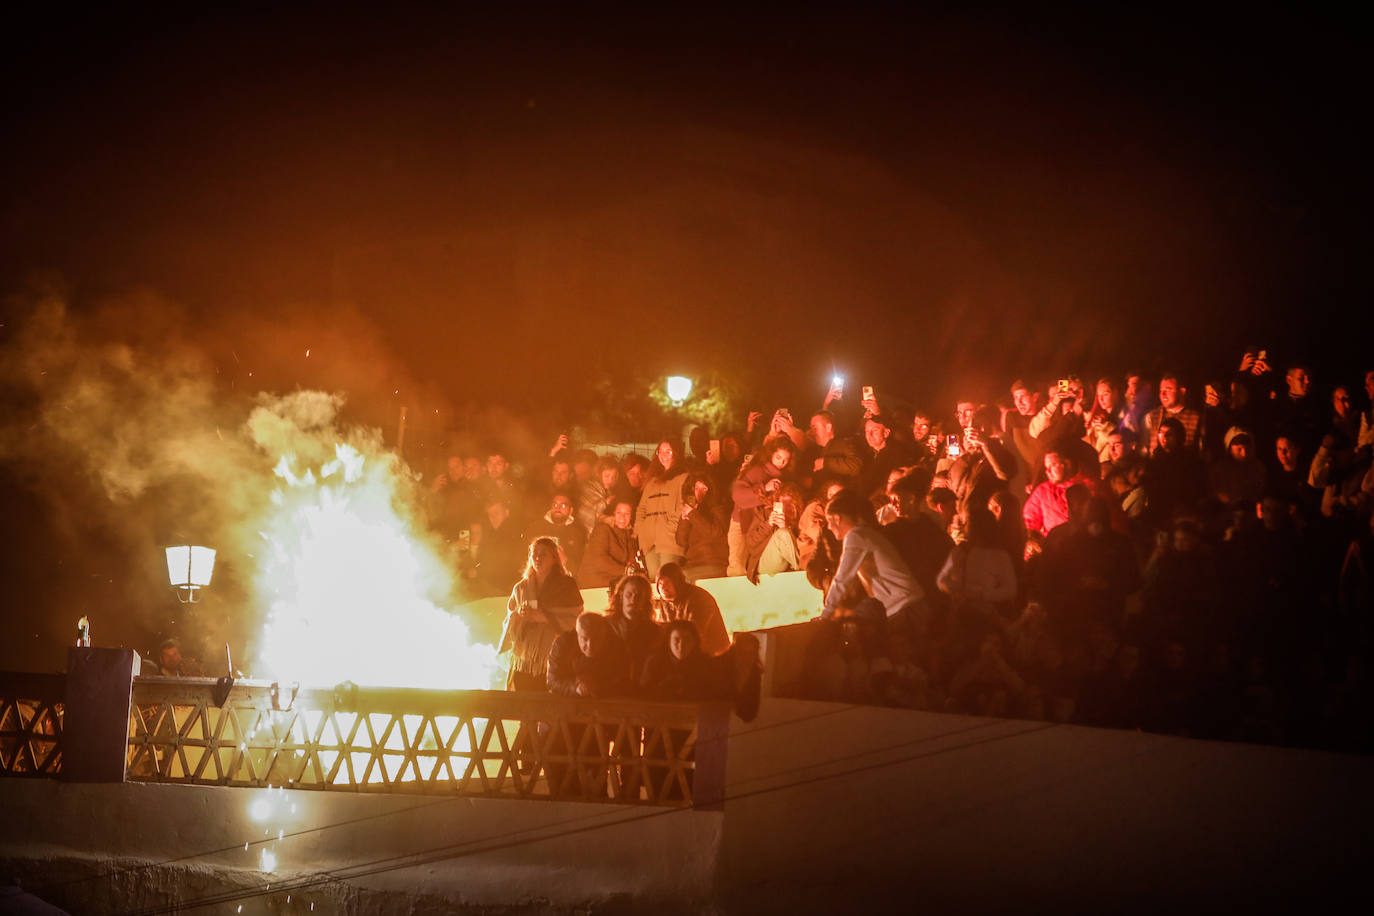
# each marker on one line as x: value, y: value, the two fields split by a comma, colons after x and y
x: 353, y: 591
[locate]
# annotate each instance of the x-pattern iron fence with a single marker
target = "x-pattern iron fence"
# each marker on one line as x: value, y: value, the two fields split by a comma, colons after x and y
x: 470, y: 743
x: 31, y: 724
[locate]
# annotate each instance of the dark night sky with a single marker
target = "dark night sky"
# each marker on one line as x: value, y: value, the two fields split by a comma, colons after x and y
x: 952, y: 186
x: 487, y: 209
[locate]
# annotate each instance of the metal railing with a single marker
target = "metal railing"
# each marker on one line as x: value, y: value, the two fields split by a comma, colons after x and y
x: 31, y: 724
x: 392, y: 740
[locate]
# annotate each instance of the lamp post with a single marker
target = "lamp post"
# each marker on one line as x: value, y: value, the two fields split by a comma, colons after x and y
x: 679, y: 388
x: 189, y: 569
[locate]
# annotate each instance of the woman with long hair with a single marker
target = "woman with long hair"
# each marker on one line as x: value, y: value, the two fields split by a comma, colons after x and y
x: 544, y: 603
x: 660, y: 507
x: 632, y: 618
x: 757, y: 483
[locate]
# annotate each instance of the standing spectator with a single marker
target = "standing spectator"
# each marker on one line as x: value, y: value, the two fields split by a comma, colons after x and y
x: 1345, y: 421
x: 884, y: 456
x: 501, y: 484
x: 985, y: 466
x: 920, y: 540
x: 456, y: 496
x: 597, y: 496
x: 1366, y: 434
x: 498, y: 545
x: 1173, y: 405
x: 544, y: 603
x: 814, y: 540
x: 702, y: 532
x: 1174, y: 475
x: 1105, y: 418
x: 1016, y: 425
x: 610, y: 549
x: 630, y: 486
x: 1048, y: 505
x: 1297, y: 413
x: 559, y: 481
x: 660, y: 507
x: 1238, y: 478
x: 1059, y: 425
x: 1288, y: 479
x: 1137, y: 398
x: 833, y: 456
x: 558, y: 525
x: 979, y: 575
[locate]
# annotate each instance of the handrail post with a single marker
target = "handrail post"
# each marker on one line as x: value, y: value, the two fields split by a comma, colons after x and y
x: 96, y: 721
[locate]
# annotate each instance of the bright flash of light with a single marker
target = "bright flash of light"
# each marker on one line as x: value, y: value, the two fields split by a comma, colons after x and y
x: 679, y: 388
x: 352, y: 588
x: 269, y: 861
x: 260, y: 810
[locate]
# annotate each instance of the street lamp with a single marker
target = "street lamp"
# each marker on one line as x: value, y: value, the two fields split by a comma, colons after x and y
x: 679, y: 389
x: 189, y: 569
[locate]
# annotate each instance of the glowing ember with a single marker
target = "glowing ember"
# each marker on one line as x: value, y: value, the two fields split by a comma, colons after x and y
x: 353, y: 592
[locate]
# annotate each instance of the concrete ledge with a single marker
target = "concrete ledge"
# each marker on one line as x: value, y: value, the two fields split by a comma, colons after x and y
x: 476, y: 852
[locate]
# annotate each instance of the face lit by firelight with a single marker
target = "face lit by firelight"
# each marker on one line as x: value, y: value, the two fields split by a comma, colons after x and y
x: 1170, y: 394
x: 1055, y: 468
x: 623, y: 515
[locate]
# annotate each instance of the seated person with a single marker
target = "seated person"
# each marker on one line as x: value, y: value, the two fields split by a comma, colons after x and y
x: 589, y: 660
x: 682, y: 671
x: 680, y: 600
x: 771, y: 532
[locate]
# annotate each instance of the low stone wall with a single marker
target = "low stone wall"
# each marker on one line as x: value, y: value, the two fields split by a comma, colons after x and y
x: 92, y: 848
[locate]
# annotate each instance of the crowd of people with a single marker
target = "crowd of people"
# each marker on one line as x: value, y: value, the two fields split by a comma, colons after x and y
x: 1116, y: 554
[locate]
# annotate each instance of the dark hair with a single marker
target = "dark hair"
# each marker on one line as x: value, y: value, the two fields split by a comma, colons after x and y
x: 673, y: 573
x: 981, y: 527
x: 584, y: 456
x: 632, y: 460
x: 915, y: 482
x: 685, y: 626
x: 848, y: 504
x: 619, y: 588
x: 656, y: 468
x: 764, y: 454
x: 606, y: 463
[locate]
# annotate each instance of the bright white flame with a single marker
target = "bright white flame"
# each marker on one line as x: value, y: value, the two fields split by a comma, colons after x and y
x: 679, y: 388
x: 269, y: 861
x: 352, y: 588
